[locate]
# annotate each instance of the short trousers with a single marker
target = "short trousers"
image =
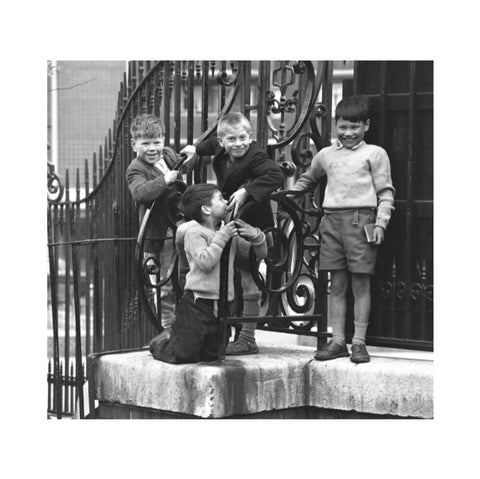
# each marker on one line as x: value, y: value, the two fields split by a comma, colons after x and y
x: 344, y: 243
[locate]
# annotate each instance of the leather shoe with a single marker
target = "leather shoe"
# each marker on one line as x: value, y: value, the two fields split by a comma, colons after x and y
x: 331, y: 351
x: 359, y: 354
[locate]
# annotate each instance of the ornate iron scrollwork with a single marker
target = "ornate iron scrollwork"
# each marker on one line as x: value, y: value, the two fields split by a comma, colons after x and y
x: 54, y: 185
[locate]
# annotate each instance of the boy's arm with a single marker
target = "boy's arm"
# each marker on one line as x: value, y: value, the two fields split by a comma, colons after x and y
x: 205, y: 256
x: 249, y: 235
x: 314, y: 172
x: 208, y: 147
x: 266, y: 177
x: 382, y: 179
x: 143, y: 190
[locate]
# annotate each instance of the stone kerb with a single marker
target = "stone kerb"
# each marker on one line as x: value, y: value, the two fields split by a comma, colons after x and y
x: 385, y: 386
x: 280, y: 378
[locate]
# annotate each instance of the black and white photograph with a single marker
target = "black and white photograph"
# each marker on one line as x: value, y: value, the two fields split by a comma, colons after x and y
x: 249, y: 239
x: 258, y: 256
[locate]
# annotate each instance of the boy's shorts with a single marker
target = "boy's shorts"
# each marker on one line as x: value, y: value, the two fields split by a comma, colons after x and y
x: 344, y: 243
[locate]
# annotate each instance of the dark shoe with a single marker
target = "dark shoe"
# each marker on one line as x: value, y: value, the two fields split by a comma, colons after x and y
x: 241, y: 346
x: 331, y: 350
x: 156, y: 341
x: 360, y: 354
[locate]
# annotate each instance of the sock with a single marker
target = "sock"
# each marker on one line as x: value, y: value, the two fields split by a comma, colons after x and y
x: 251, y: 308
x: 338, y: 331
x: 360, y: 332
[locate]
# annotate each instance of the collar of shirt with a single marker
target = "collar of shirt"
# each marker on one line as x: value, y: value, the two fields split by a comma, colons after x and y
x: 339, y: 146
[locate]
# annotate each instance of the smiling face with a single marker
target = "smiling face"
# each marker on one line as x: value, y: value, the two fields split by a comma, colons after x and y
x: 236, y: 141
x: 148, y: 149
x: 351, y: 133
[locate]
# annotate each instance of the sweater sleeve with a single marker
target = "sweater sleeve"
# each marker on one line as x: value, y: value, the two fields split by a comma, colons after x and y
x: 259, y: 244
x: 143, y: 190
x: 382, y: 179
x: 205, y: 256
x: 314, y: 172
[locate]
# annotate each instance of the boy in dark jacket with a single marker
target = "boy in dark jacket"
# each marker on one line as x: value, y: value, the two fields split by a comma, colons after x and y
x: 246, y: 176
x: 150, y: 178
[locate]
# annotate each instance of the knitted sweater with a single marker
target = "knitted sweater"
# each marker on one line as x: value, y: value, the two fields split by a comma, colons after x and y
x: 356, y: 178
x: 204, y: 248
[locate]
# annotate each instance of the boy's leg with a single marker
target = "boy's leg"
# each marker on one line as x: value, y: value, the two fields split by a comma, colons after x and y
x: 245, y: 344
x: 188, y: 333
x: 338, y: 304
x: 361, y: 310
x: 336, y: 348
x: 362, y: 304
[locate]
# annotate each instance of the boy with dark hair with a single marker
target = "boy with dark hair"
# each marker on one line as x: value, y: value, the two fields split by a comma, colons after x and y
x: 246, y: 175
x: 194, y: 335
x: 359, y: 192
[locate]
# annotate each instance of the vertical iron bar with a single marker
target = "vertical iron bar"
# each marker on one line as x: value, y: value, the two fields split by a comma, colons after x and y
x: 190, y: 100
x: 78, y: 330
x: 166, y: 104
x: 263, y: 88
x: 88, y: 259
x: 223, y: 67
x: 67, y: 270
x: 200, y: 175
x: 409, y: 202
x: 422, y: 298
x: 54, y: 299
x: 245, y: 89
x: 97, y: 318
x: 177, y: 105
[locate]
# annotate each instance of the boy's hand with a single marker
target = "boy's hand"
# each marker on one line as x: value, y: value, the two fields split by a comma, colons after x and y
x: 378, y: 235
x: 171, y: 177
x: 245, y: 230
x: 230, y: 229
x: 189, y: 151
x: 236, y: 200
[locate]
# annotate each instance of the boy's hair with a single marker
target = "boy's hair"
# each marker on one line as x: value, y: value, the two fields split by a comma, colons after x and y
x: 146, y: 126
x: 353, y: 109
x: 196, y: 196
x: 232, y: 120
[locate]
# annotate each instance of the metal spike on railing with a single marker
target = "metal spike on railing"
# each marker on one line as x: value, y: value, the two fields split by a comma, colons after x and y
x: 95, y: 171
x: 87, y: 179
x: 77, y: 189
x: 67, y: 186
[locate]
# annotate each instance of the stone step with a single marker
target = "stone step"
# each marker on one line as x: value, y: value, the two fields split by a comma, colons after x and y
x: 278, y: 378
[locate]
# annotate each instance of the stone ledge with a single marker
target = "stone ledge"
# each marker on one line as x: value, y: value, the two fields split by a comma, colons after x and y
x: 393, y: 386
x: 279, y: 378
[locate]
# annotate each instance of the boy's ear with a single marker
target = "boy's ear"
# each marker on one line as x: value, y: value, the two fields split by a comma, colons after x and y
x: 367, y: 125
x: 205, y: 210
x: 220, y: 141
x: 132, y: 142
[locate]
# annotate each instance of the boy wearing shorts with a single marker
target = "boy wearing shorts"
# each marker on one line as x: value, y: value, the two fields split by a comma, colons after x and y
x: 359, y: 192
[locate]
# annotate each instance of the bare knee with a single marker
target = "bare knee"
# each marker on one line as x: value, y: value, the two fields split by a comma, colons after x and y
x: 339, y: 283
x: 360, y: 284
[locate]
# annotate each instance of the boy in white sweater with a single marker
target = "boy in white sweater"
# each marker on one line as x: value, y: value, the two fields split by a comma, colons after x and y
x: 359, y: 192
x: 194, y: 335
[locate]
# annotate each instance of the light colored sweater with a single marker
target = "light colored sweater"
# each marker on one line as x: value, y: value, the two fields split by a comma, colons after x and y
x: 356, y: 178
x: 203, y: 250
